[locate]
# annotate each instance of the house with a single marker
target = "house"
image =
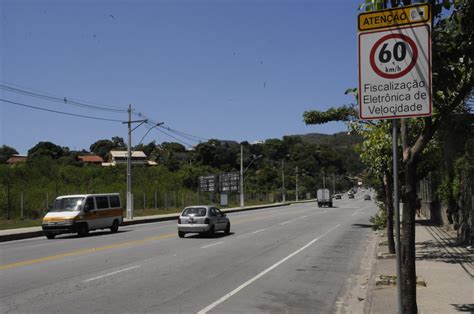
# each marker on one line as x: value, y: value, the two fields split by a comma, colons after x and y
x: 16, y: 159
x: 120, y: 157
x: 91, y: 159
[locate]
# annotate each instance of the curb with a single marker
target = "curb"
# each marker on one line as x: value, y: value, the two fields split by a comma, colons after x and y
x: 18, y: 235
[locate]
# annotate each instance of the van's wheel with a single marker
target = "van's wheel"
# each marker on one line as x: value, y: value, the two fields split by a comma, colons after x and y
x: 181, y: 234
x: 83, y: 230
x: 319, y: 204
x: 115, y: 226
x: 227, y: 228
x: 50, y: 235
x: 211, y: 231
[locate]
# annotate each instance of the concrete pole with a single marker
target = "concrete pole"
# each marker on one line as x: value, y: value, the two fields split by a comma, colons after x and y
x: 283, y: 179
x: 129, y: 166
x: 242, y: 202
x: 397, y: 214
x: 297, y: 198
x: 324, y: 180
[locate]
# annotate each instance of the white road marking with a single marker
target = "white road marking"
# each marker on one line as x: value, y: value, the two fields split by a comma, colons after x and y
x: 358, y: 211
x: 286, y: 222
x: 206, y: 246
x: 258, y: 231
x: 112, y: 273
x: 236, y: 290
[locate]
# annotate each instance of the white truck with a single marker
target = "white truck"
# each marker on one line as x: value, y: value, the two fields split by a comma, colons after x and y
x: 324, y: 198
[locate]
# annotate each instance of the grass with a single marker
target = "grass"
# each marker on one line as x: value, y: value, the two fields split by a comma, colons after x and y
x: 16, y: 222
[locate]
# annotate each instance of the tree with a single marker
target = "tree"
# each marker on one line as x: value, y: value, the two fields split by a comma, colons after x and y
x: 453, y: 81
x: 103, y: 147
x: 6, y: 152
x: 45, y: 149
x: 376, y: 152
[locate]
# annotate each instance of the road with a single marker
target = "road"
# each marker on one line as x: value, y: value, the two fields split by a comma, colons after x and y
x: 293, y: 259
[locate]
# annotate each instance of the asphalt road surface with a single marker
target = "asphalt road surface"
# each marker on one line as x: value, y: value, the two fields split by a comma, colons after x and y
x: 291, y: 259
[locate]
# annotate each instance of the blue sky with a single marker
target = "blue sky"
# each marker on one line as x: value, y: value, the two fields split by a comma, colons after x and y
x: 235, y: 70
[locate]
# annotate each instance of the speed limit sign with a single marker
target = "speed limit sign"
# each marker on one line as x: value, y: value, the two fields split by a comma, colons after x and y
x: 395, y: 72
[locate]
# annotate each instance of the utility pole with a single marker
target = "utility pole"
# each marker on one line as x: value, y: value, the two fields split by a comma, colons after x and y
x: 333, y: 184
x: 297, y: 198
x: 283, y: 179
x: 129, y: 161
x: 129, y: 166
x: 324, y: 180
x: 241, y: 175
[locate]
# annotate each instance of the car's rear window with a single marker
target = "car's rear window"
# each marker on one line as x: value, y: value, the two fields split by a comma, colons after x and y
x: 196, y: 211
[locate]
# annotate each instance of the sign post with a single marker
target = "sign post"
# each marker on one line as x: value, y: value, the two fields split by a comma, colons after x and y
x: 395, y: 79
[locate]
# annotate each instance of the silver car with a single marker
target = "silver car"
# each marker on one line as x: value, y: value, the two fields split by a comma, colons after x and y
x: 202, y: 219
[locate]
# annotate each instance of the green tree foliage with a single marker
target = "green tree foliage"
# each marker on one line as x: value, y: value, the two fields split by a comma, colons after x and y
x: 47, y: 175
x: 453, y: 81
x: 6, y: 152
x: 46, y: 150
x: 103, y: 147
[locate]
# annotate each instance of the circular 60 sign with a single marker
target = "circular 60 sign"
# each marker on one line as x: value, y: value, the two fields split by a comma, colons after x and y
x: 395, y: 72
x: 393, y: 56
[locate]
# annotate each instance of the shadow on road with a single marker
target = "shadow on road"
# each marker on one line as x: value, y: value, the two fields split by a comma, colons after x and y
x: 214, y: 236
x: 362, y: 225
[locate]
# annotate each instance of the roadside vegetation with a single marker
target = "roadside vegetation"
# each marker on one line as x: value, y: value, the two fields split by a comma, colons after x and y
x: 28, y: 189
x: 430, y: 145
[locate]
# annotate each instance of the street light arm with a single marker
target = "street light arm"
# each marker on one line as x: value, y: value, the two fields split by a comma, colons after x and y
x: 158, y: 124
x: 251, y: 162
x: 141, y: 122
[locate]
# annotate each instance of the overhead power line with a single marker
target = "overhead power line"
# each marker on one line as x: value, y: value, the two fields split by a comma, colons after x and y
x: 189, y: 136
x: 179, y: 134
x: 177, y: 139
x: 60, y: 112
x: 63, y: 100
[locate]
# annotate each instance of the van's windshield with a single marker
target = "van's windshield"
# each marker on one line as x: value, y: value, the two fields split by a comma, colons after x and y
x: 67, y: 204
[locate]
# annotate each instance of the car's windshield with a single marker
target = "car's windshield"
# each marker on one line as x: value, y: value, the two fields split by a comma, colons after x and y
x: 67, y: 204
x: 196, y: 211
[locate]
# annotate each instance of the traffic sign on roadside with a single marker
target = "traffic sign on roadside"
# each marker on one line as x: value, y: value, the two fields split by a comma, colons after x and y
x: 395, y: 71
x: 396, y: 17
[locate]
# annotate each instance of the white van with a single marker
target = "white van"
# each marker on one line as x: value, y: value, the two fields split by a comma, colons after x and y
x: 82, y: 213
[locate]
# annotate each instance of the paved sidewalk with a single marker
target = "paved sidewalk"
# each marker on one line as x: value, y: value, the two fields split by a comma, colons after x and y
x: 445, y: 267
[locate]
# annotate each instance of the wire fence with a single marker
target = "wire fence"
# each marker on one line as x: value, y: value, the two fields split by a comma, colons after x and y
x: 34, y: 205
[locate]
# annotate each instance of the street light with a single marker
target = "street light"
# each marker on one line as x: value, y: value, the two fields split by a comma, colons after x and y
x: 242, y: 171
x: 283, y: 177
x: 129, y: 158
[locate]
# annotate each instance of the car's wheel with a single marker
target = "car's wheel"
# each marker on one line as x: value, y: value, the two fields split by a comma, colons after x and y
x: 50, y: 235
x: 115, y: 226
x: 83, y: 230
x: 211, y: 231
x: 181, y: 234
x: 227, y: 228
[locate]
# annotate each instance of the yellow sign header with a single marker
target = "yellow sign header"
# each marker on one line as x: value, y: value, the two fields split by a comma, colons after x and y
x: 394, y: 17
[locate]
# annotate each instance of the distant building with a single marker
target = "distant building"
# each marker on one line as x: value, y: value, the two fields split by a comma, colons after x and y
x: 120, y: 157
x: 91, y: 159
x: 16, y: 159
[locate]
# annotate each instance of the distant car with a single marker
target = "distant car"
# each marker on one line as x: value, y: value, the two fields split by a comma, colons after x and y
x: 203, y: 220
x: 350, y: 195
x: 337, y: 196
x: 366, y: 197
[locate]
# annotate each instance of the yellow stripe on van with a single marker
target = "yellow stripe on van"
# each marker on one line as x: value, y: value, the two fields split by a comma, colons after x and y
x: 85, y: 251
